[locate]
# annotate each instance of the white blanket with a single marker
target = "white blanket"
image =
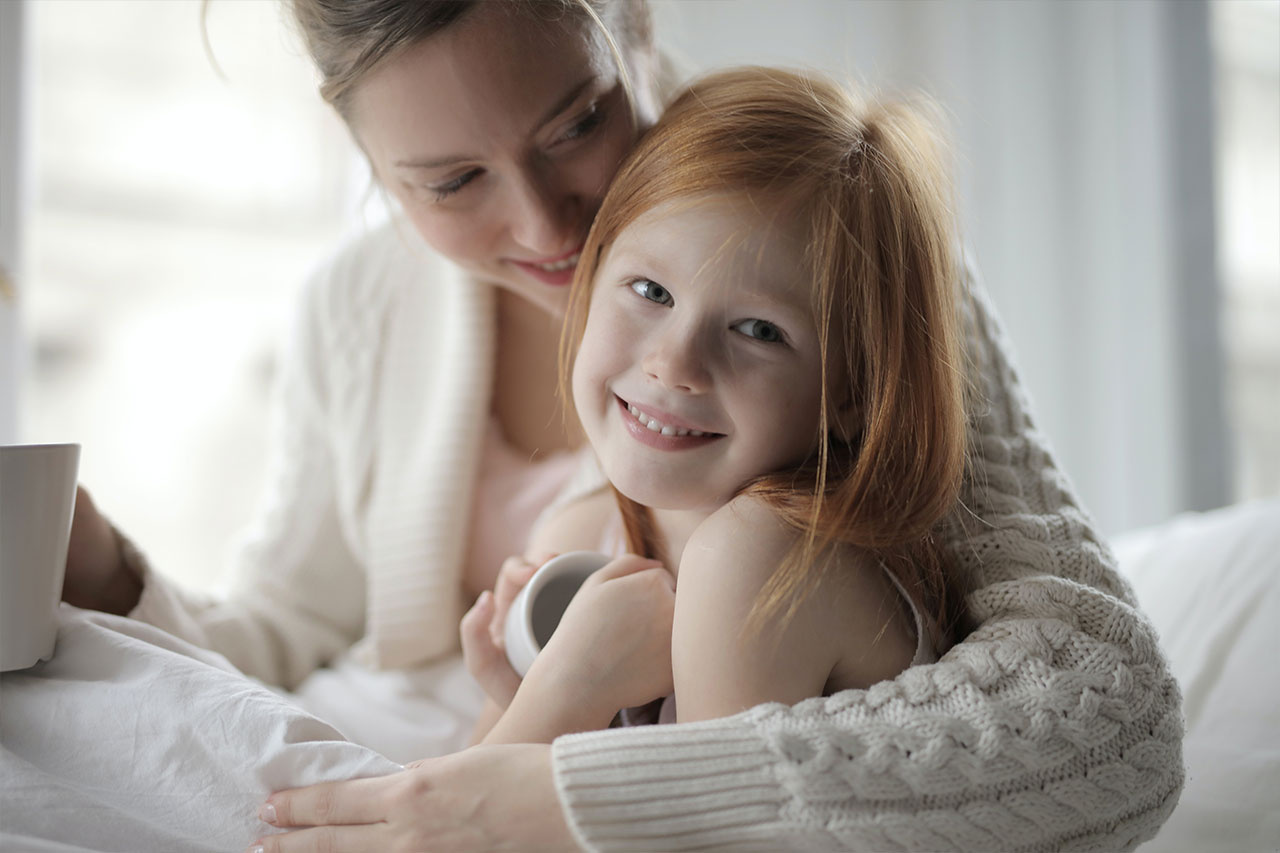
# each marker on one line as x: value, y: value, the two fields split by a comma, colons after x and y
x: 132, y: 740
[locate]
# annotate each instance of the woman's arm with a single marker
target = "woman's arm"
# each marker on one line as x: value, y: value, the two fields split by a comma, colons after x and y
x: 1056, y: 723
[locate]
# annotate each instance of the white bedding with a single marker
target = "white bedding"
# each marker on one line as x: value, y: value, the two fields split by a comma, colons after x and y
x: 132, y: 740
x: 1211, y: 584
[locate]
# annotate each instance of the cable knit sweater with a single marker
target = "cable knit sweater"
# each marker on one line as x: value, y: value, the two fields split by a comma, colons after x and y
x: 1055, y: 725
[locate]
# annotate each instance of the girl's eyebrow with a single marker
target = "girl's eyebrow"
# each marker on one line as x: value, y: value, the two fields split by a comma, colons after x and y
x: 637, y: 258
x: 451, y: 159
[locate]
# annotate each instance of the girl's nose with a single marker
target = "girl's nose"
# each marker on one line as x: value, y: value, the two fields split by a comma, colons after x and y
x: 546, y: 214
x: 679, y: 362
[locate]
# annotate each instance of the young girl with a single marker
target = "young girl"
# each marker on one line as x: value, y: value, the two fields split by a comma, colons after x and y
x: 763, y: 352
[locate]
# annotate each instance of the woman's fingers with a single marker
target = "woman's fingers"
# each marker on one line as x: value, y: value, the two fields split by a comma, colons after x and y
x: 367, y: 838
x: 356, y: 801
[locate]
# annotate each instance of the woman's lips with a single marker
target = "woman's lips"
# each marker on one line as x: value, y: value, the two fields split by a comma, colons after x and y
x: 554, y: 271
x: 668, y: 434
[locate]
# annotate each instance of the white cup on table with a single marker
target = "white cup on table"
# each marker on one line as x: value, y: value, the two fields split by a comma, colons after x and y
x: 37, y: 499
x: 537, y: 608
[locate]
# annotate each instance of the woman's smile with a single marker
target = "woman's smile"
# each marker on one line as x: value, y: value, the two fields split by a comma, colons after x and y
x: 557, y: 272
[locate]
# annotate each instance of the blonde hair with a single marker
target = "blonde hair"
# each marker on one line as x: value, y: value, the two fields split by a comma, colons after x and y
x: 866, y: 181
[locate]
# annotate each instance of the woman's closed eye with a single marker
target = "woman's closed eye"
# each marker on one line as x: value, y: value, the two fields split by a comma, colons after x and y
x: 585, y: 124
x: 760, y: 330
x: 652, y: 291
x: 443, y: 191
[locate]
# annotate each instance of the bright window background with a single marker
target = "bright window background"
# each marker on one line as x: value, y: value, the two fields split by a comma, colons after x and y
x: 175, y: 212
x: 1247, y: 53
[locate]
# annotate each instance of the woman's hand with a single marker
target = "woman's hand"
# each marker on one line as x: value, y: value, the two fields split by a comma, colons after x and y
x: 484, y: 646
x: 487, y: 798
x: 611, y: 650
x: 97, y: 577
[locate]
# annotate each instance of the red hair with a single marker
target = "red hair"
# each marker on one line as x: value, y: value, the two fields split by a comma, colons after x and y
x: 867, y: 182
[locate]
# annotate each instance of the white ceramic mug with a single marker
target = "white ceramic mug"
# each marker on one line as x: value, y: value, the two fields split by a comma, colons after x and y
x: 537, y: 608
x: 37, y: 499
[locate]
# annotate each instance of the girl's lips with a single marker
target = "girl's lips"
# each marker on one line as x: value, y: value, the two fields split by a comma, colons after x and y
x: 553, y: 271
x: 660, y: 440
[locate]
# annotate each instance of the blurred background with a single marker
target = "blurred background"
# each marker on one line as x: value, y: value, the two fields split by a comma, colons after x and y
x: 1118, y: 169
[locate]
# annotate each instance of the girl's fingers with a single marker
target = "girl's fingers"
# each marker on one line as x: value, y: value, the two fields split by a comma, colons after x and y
x: 478, y: 615
x: 515, y: 573
x: 628, y: 564
x: 486, y: 661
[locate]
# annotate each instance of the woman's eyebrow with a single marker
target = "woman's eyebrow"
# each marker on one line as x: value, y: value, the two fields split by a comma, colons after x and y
x: 450, y: 159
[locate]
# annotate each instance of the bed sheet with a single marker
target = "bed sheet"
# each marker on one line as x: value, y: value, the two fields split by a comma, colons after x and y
x: 132, y: 740
x: 1210, y: 583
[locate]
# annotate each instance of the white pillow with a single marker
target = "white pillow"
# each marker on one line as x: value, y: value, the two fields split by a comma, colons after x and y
x: 1211, y: 585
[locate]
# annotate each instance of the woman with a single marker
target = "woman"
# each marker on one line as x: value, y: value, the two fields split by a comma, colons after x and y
x: 374, y: 539
x: 497, y: 126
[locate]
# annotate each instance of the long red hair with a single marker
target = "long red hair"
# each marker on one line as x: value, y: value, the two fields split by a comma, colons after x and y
x: 867, y: 181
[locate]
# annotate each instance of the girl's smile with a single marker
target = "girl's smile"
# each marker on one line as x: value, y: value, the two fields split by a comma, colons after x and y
x: 699, y: 367
x: 661, y: 430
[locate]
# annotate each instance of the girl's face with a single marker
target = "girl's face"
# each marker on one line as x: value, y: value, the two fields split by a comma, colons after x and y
x: 699, y: 367
x: 499, y: 137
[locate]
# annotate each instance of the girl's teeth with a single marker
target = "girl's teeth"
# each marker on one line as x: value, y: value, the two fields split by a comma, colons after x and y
x: 655, y: 425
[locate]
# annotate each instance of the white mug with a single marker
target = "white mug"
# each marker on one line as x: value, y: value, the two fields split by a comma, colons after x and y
x: 537, y: 608
x: 37, y: 499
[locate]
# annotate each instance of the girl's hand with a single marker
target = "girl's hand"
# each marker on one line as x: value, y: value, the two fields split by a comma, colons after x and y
x: 615, y: 637
x: 482, y: 629
x: 97, y: 577
x: 611, y: 650
x: 487, y: 798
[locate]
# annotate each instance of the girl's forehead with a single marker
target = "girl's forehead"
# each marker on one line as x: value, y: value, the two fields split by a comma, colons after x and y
x: 732, y: 242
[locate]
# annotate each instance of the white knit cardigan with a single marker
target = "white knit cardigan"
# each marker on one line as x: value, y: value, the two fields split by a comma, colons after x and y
x: 1055, y: 725
x: 381, y: 406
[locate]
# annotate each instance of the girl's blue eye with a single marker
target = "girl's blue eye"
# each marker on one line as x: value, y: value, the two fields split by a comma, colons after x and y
x: 760, y: 330
x: 445, y: 190
x: 652, y: 291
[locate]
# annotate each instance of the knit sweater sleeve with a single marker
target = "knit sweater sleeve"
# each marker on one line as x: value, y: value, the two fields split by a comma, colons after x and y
x: 296, y: 592
x: 1054, y: 725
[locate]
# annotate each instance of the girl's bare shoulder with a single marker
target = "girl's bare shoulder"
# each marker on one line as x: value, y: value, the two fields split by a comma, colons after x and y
x: 851, y: 607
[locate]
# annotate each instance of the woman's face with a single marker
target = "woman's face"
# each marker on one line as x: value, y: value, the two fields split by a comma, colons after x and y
x: 499, y: 137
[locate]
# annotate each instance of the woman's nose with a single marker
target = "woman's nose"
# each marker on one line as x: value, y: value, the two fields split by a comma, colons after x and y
x: 678, y: 361
x: 546, y: 214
